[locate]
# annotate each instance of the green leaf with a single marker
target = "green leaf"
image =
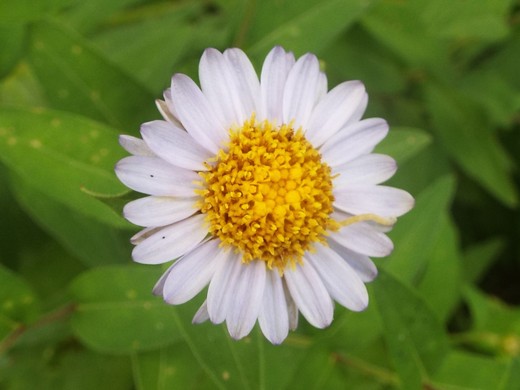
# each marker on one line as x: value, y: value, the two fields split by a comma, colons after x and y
x: 301, y: 26
x: 479, y: 257
x: 167, y: 368
x: 59, y: 154
x: 12, y: 44
x: 466, y: 371
x: 77, y: 78
x: 135, y: 46
x: 403, y: 143
x: 51, y: 367
x: 511, y: 379
x: 415, y: 337
x: 445, y: 265
x: 74, y: 230
x: 398, y: 25
x: 22, y: 11
x: 416, y: 234
x: 18, y: 303
x: 470, y: 142
x: 483, y: 19
x: 117, y: 313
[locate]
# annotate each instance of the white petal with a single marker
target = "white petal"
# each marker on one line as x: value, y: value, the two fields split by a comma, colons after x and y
x: 353, y: 141
x: 166, y: 113
x: 362, y: 264
x: 143, y: 234
x: 380, y: 200
x: 322, y: 87
x: 366, y: 169
x: 202, y: 314
x: 196, y: 114
x: 222, y: 285
x: 191, y: 273
x: 154, y: 176
x: 175, y: 145
x: 301, y: 90
x: 341, y: 281
x: 246, y: 299
x: 159, y: 210
x: 159, y: 286
x: 309, y: 294
x: 276, y: 67
x: 248, y: 86
x: 171, y: 241
x: 334, y: 111
x: 135, y: 146
x: 274, y: 316
x: 292, y: 309
x: 362, y: 238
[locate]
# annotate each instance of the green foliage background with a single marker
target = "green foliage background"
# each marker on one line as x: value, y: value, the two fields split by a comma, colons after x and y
x: 75, y: 313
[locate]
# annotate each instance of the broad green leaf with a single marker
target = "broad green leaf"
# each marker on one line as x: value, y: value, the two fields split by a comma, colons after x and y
x: 445, y: 266
x: 465, y: 20
x: 77, y: 78
x: 465, y: 135
x: 62, y: 366
x: 22, y: 11
x: 59, y: 154
x: 511, y: 379
x: 86, y: 15
x: 301, y: 26
x: 347, y: 58
x: 91, y: 241
x: 467, y: 371
x: 403, y: 143
x: 21, y: 88
x: 415, y: 337
x: 117, y: 313
x: 479, y: 257
x: 415, y: 235
x: 12, y: 44
x: 249, y: 363
x: 173, y: 367
x: 135, y: 46
x: 18, y: 303
x: 398, y: 25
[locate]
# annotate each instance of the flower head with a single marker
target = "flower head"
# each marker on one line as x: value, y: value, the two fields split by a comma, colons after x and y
x: 265, y: 190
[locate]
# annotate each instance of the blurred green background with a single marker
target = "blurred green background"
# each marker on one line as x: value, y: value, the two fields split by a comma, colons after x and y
x: 75, y: 313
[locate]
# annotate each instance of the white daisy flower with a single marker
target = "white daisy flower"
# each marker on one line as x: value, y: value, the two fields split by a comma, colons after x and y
x: 267, y: 191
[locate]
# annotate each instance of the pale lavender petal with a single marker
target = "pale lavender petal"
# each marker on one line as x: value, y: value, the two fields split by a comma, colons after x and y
x: 341, y: 281
x: 353, y: 141
x: 309, y: 294
x: 246, y: 299
x: 301, y: 90
x: 171, y: 241
x: 159, y: 286
x: 335, y: 111
x: 362, y: 264
x: 197, y: 115
x: 159, y: 210
x: 135, y: 146
x: 191, y: 273
x: 292, y: 309
x: 276, y: 67
x: 366, y: 169
x: 143, y: 234
x: 274, y: 316
x: 248, y: 86
x: 362, y: 238
x: 175, y: 145
x: 380, y: 200
x: 202, y: 314
x: 222, y: 284
x: 153, y: 176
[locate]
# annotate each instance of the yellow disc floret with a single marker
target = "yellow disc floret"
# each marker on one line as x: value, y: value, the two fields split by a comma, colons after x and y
x: 268, y: 195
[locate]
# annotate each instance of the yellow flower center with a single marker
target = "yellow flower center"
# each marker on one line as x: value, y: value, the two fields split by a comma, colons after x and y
x: 268, y: 195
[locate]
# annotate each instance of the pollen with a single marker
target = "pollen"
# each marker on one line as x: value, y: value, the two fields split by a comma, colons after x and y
x: 268, y: 195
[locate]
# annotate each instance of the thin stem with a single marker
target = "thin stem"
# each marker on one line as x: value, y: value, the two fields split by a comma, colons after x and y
x: 53, y: 316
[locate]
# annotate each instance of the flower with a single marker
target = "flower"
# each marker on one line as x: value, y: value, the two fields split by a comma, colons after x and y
x: 265, y: 190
